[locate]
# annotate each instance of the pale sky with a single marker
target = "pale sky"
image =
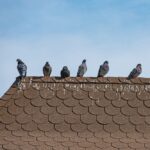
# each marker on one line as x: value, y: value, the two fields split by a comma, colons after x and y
x: 64, y: 32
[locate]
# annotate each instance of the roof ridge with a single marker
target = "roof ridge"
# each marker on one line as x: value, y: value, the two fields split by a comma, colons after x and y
x: 88, y: 80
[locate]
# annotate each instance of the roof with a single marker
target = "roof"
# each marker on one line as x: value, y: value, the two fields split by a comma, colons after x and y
x: 76, y: 114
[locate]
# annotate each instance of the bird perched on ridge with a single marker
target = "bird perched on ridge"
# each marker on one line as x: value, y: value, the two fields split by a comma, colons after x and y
x: 47, y: 69
x: 103, y: 69
x: 135, y: 72
x: 22, y: 68
x: 65, y: 72
x: 82, y: 69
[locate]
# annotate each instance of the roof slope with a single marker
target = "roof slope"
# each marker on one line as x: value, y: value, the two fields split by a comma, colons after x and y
x: 76, y: 114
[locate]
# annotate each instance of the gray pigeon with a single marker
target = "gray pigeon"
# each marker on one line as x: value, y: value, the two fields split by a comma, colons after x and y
x: 135, y: 72
x: 82, y: 69
x: 65, y: 72
x: 47, y: 69
x: 103, y: 70
x: 22, y: 68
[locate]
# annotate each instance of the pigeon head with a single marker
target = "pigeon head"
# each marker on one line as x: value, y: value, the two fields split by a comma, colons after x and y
x: 139, y: 65
x: 47, y: 63
x: 106, y: 62
x: 105, y: 65
x: 84, y: 61
x: 65, y: 68
x: 19, y: 60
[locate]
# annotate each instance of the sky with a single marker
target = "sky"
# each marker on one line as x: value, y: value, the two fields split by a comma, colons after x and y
x: 64, y: 32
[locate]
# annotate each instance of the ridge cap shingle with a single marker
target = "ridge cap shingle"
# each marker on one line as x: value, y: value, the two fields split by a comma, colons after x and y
x: 89, y: 80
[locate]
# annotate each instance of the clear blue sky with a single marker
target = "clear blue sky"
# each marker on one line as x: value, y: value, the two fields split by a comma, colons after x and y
x: 64, y: 32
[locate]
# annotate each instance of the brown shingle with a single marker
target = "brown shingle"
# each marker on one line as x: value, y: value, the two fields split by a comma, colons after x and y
x: 45, y: 126
x: 95, y: 127
x: 104, y: 119
x: 80, y: 94
x: 119, y: 103
x: 39, y: 117
x: 31, y: 93
x: 72, y: 118
x: 30, y: 109
x: 63, y: 109
x: 47, y: 110
x: 76, y: 114
x: 88, y: 118
x: 80, y: 127
x: 71, y: 102
x: 80, y: 109
x: 14, y: 126
x: 96, y: 95
x: 31, y: 126
x: 111, y: 110
x: 54, y: 102
x: 22, y: 102
x: 63, y: 94
x: 128, y: 95
x: 111, y: 127
x: 38, y: 101
x: 10, y: 146
x: 63, y: 127
x: 111, y: 95
x: 96, y: 110
x: 85, y: 134
x: 56, y: 118
x: 103, y: 102
x: 143, y: 95
x: 127, y: 128
x: 14, y: 109
x: 23, y: 118
x: 7, y: 118
x: 120, y: 119
x: 47, y: 93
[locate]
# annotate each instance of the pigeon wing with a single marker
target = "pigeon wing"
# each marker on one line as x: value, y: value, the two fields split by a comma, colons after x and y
x: 80, y: 71
x: 68, y: 73
x: 22, y: 69
x: 132, y: 73
x: 102, y: 71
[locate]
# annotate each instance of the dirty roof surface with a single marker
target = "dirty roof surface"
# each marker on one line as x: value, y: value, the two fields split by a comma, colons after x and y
x: 76, y: 114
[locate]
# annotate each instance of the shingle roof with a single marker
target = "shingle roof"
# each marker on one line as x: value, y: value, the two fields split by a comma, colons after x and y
x: 76, y: 114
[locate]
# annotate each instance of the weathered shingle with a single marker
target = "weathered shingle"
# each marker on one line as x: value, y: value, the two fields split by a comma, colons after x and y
x: 76, y: 114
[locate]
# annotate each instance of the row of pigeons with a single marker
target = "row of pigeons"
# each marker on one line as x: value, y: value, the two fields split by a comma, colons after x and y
x: 103, y: 70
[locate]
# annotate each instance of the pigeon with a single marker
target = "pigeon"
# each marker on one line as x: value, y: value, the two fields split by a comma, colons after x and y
x: 47, y: 69
x: 22, y: 68
x: 135, y: 72
x: 103, y: 70
x: 65, y: 72
x: 82, y: 69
